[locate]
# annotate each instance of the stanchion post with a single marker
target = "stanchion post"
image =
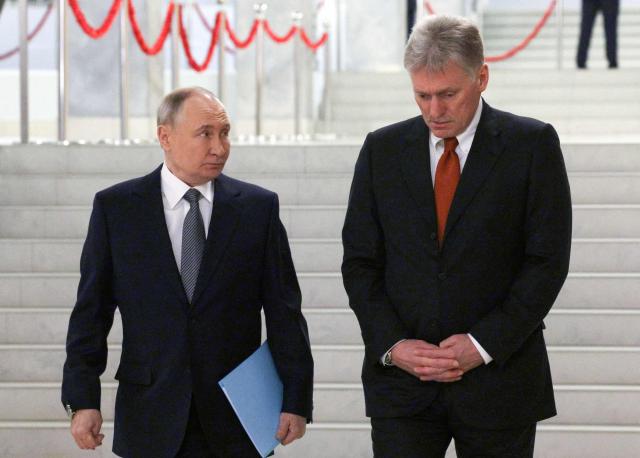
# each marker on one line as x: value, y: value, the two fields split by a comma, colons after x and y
x: 175, y: 49
x: 221, y: 53
x: 24, y: 71
x: 326, y: 90
x: 63, y: 55
x: 124, y: 86
x: 260, y: 9
x: 559, y: 32
x: 297, y: 77
x: 338, y: 33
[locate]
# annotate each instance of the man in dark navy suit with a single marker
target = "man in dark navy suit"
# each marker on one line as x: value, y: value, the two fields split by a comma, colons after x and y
x: 190, y: 257
x: 590, y: 8
x: 456, y: 244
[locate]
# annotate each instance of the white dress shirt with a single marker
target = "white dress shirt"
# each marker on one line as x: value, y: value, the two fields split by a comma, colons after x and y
x: 176, y: 208
x: 436, y: 150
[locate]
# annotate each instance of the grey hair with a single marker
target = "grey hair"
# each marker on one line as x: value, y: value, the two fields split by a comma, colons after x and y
x: 436, y: 40
x: 171, y: 105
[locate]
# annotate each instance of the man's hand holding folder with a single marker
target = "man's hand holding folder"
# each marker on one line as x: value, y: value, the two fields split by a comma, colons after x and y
x: 291, y: 427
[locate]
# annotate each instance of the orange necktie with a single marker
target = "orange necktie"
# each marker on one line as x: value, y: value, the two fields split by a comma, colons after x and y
x: 447, y: 177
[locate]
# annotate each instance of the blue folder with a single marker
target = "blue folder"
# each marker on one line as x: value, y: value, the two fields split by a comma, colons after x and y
x: 254, y: 390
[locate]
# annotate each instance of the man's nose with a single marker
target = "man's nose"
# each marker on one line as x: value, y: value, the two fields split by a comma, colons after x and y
x: 436, y: 108
x: 216, y: 146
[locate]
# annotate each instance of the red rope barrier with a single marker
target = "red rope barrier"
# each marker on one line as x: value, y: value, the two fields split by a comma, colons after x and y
x: 242, y: 43
x: 212, y: 45
x: 310, y: 44
x: 277, y: 38
x: 137, y: 33
x: 427, y: 6
x: 524, y: 43
x: 33, y: 33
x: 210, y: 28
x: 520, y: 46
x: 84, y: 25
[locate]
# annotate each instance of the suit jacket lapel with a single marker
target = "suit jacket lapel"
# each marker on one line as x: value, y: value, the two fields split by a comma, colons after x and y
x: 224, y: 219
x: 485, y: 150
x: 416, y: 168
x: 152, y: 214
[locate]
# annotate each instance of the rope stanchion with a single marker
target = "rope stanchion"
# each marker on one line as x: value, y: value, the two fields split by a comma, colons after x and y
x: 137, y: 33
x: 234, y: 38
x: 88, y: 29
x: 31, y: 35
x: 187, y: 49
x: 528, y: 39
x: 310, y: 44
x: 279, y: 38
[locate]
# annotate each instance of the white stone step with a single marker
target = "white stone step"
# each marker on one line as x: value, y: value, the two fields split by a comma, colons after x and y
x: 301, y: 221
x: 582, y: 153
x: 331, y: 326
x: 292, y: 189
x: 309, y: 255
x: 540, y: 109
x: 326, y: 440
x: 337, y: 402
x: 585, y: 365
x: 325, y: 290
x: 564, y: 126
x: 499, y: 78
x: 499, y: 96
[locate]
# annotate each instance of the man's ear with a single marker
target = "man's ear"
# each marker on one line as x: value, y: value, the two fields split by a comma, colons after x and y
x: 483, y: 77
x: 164, y: 136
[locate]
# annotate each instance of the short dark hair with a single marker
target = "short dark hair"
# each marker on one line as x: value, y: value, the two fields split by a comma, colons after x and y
x: 172, y: 103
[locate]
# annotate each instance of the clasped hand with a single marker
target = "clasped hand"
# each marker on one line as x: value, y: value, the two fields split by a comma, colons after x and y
x: 446, y: 362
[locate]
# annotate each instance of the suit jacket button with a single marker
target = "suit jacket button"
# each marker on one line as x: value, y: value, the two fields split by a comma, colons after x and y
x: 442, y: 276
x: 433, y: 236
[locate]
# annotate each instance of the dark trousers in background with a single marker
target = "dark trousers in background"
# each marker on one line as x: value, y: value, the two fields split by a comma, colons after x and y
x: 609, y: 10
x: 429, y: 434
x: 411, y: 16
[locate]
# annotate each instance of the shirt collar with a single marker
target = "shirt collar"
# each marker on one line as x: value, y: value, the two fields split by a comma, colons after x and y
x: 465, y: 139
x: 174, y: 188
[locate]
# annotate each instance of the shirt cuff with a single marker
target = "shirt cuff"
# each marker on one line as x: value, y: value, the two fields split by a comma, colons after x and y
x: 485, y: 356
x: 389, y: 351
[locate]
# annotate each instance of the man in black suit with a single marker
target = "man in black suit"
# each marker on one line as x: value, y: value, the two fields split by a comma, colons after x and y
x: 590, y: 8
x: 190, y: 257
x: 456, y: 244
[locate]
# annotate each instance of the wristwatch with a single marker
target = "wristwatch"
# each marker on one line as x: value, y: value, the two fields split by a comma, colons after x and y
x: 387, y: 361
x: 70, y: 411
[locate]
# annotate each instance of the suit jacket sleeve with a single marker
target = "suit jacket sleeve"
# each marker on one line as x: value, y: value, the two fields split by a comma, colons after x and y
x: 90, y: 320
x: 547, y: 234
x: 363, y: 265
x: 287, y: 332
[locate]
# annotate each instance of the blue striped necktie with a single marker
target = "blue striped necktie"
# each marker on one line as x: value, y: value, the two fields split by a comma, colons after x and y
x: 193, y: 238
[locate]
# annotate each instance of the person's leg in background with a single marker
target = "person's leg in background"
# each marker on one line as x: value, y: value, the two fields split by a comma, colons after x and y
x: 589, y: 10
x: 610, y: 9
x: 411, y: 16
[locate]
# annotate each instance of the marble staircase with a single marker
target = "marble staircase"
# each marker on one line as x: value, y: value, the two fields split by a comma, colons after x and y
x: 594, y: 346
